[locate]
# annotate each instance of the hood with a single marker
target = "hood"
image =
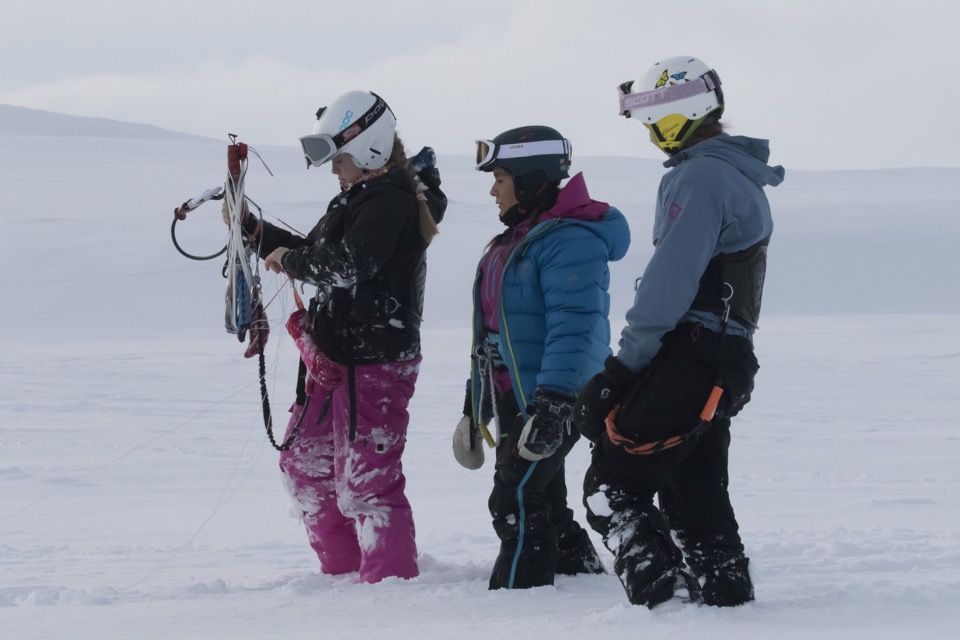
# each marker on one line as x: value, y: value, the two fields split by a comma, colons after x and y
x: 748, y: 155
x: 574, y: 204
x: 573, y: 201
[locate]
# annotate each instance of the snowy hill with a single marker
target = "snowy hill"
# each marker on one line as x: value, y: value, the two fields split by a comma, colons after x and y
x: 139, y: 498
x: 20, y: 121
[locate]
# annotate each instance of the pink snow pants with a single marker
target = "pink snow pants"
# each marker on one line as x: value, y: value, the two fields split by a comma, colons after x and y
x: 350, y: 494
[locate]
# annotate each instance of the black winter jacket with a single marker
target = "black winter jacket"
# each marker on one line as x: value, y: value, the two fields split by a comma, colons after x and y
x: 368, y: 260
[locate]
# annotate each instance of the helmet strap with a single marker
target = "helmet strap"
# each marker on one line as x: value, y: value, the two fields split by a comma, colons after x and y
x: 513, y: 216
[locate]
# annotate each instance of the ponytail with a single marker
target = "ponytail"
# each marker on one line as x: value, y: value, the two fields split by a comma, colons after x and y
x: 398, y: 158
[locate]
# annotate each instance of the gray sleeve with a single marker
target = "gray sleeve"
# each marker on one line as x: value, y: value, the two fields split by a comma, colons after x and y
x: 687, y: 227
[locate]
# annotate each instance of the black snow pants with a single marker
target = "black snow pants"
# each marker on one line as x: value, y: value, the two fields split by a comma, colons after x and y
x: 691, y: 480
x: 538, y: 535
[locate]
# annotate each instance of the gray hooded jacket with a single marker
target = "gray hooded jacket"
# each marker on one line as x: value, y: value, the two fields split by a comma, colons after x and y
x: 711, y: 202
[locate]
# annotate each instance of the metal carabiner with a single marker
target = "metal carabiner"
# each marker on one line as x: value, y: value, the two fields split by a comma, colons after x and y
x: 726, y: 302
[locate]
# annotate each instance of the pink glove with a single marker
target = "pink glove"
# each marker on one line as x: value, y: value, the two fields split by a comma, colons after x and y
x: 259, y: 330
x: 322, y: 369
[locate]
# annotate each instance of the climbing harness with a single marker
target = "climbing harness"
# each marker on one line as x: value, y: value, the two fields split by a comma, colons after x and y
x: 706, y: 414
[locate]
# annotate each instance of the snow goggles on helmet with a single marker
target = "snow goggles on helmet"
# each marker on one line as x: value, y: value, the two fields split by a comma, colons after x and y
x: 320, y: 147
x: 489, y: 152
x: 704, y: 84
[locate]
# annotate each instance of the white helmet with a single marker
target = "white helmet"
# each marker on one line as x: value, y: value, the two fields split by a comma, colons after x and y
x: 672, y: 99
x: 359, y: 123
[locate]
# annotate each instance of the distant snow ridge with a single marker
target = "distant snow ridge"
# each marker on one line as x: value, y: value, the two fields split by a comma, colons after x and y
x: 21, y: 121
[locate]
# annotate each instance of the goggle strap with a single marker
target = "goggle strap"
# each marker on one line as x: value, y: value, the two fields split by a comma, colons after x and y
x: 704, y: 84
x: 528, y: 149
x: 363, y: 123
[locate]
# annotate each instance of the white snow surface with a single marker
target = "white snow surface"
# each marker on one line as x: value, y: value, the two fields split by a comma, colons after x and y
x: 141, y: 499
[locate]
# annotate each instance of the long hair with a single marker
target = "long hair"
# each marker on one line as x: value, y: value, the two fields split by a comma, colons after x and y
x: 704, y: 132
x: 398, y: 158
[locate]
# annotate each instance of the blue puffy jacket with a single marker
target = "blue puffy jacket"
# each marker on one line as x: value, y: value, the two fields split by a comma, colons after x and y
x: 554, y: 302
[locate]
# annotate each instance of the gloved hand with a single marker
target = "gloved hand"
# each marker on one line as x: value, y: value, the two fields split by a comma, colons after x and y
x: 426, y: 158
x: 599, y: 396
x: 550, y: 417
x: 425, y: 166
x: 325, y: 371
x: 467, y: 444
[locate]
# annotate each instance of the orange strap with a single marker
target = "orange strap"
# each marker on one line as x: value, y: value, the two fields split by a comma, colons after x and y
x: 710, y: 408
x: 646, y: 448
x: 296, y: 296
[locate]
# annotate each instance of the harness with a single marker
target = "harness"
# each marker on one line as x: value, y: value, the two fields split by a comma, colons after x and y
x: 706, y: 416
x: 731, y: 286
x: 396, y: 302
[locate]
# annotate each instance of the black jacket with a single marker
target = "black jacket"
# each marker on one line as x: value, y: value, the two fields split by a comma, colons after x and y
x: 367, y: 258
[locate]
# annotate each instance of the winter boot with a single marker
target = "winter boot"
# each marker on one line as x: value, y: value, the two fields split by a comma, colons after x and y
x: 727, y: 584
x: 576, y: 554
x: 531, y: 567
x: 647, y: 561
x: 645, y: 585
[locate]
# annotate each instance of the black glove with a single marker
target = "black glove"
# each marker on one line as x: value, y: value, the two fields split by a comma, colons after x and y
x: 549, y: 421
x: 468, y: 402
x: 424, y: 164
x: 425, y: 158
x: 599, y: 396
x: 738, y: 366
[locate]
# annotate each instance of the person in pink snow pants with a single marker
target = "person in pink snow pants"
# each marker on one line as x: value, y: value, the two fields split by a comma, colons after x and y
x: 359, y: 339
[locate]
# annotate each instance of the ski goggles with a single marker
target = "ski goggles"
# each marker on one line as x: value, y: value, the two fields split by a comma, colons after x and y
x: 318, y: 148
x: 704, y: 84
x: 489, y: 151
x: 321, y: 147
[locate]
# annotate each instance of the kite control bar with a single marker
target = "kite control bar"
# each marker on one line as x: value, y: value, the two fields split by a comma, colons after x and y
x: 215, y: 193
x: 180, y: 213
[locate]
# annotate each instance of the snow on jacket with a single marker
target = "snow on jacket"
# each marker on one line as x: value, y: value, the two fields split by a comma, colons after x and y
x: 367, y: 258
x: 711, y: 202
x: 553, y: 298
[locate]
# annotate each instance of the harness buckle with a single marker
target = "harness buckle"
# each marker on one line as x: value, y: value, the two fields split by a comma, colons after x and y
x: 489, y: 350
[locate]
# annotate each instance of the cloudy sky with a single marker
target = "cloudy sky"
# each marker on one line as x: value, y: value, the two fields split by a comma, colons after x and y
x: 841, y: 84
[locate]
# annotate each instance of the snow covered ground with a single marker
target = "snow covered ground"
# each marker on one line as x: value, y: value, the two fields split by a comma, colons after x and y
x: 139, y: 496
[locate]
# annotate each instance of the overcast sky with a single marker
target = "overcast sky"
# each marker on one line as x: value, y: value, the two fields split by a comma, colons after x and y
x: 852, y: 84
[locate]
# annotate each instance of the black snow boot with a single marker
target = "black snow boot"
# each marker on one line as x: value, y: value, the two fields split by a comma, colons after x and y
x: 650, y: 593
x: 727, y: 584
x: 647, y: 561
x: 576, y: 554
x: 533, y: 567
